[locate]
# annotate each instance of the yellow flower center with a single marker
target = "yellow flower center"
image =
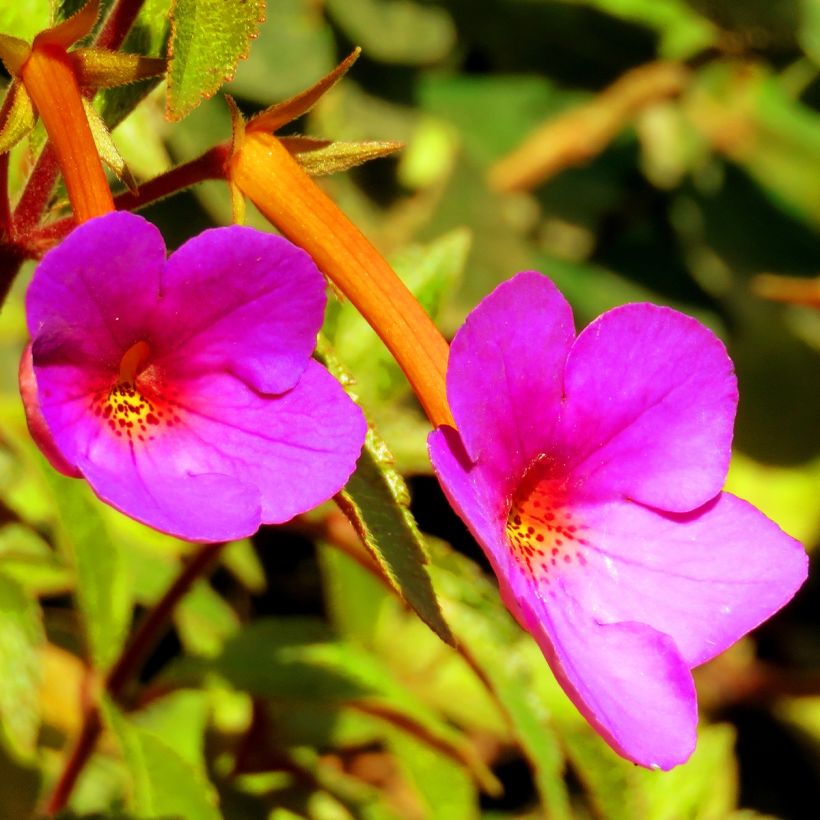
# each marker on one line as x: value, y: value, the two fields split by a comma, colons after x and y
x: 127, y: 408
x: 542, y: 530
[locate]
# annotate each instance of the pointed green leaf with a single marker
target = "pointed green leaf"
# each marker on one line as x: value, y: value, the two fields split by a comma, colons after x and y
x: 164, y: 784
x: 103, y: 582
x: 21, y: 634
x: 109, y: 153
x: 208, y: 39
x: 376, y: 500
x: 322, y: 157
x: 19, y: 120
x: 99, y: 68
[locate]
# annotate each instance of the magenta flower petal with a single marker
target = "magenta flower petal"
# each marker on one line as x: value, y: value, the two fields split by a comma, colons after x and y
x: 163, y: 412
x: 94, y: 295
x: 623, y: 598
x: 705, y: 578
x: 506, y: 415
x: 654, y: 423
x: 262, y: 328
x: 627, y: 679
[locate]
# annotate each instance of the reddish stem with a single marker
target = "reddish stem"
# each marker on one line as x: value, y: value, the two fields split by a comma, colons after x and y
x: 118, y: 23
x: 211, y: 165
x: 41, y: 181
x: 126, y: 666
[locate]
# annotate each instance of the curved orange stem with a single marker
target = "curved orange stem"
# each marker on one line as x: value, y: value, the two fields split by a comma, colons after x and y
x: 265, y: 171
x: 50, y: 81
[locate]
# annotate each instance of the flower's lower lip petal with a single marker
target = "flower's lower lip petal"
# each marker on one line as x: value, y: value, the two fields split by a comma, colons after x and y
x: 239, y: 300
x: 505, y: 374
x: 627, y: 679
x: 205, y: 507
x: 704, y: 578
x: 650, y: 404
x: 299, y: 448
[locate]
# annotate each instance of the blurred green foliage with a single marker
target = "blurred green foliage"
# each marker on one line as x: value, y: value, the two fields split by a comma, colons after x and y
x: 297, y: 683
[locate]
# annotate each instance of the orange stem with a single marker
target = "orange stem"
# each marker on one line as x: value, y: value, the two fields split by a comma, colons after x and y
x: 265, y: 171
x: 52, y: 85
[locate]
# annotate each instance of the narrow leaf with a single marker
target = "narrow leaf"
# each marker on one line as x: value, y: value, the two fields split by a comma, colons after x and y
x: 103, y: 583
x: 19, y: 120
x: 21, y: 635
x: 322, y: 157
x: 376, y: 500
x: 98, y: 68
x: 208, y: 39
x: 164, y: 784
x: 109, y: 153
x: 273, y: 118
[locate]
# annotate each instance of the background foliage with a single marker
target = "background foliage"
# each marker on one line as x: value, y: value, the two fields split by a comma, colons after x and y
x: 296, y: 681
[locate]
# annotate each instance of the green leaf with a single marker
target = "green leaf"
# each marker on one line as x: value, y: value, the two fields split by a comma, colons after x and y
x: 19, y: 120
x: 104, y: 590
x: 26, y: 558
x: 295, y: 660
x: 513, y: 667
x: 445, y: 789
x: 396, y: 31
x: 208, y: 39
x: 21, y: 635
x: 294, y: 47
x: 25, y: 17
x: 164, y: 783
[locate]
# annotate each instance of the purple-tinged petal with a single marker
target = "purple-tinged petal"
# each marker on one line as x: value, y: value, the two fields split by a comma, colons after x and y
x: 218, y: 459
x: 704, y: 578
x: 299, y: 448
x: 627, y: 679
x: 92, y: 295
x: 650, y: 403
x: 36, y: 422
x: 240, y: 301
x: 505, y: 376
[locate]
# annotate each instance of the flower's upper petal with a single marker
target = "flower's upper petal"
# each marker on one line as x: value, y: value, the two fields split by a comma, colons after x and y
x: 221, y: 459
x: 504, y: 380
x: 627, y: 679
x: 704, y: 578
x: 240, y: 301
x: 650, y: 404
x: 92, y: 295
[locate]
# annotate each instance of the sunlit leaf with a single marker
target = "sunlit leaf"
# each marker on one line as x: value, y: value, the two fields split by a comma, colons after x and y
x: 164, y: 783
x: 208, y: 39
x: 103, y: 582
x: 19, y: 120
x: 21, y: 634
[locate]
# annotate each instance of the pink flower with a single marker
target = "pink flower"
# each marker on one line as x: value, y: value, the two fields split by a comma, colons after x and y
x: 183, y: 390
x: 590, y: 471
